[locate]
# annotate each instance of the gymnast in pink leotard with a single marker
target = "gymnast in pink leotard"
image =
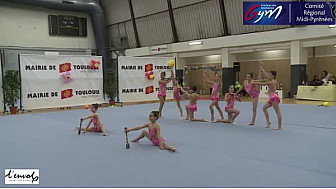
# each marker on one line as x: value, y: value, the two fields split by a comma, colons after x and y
x: 94, y: 118
x: 162, y: 89
x: 191, y: 108
x: 177, y: 95
x: 253, y: 90
x: 162, y: 92
x: 274, y: 100
x: 216, y: 85
x: 95, y: 125
x: 153, y: 133
x: 230, y: 98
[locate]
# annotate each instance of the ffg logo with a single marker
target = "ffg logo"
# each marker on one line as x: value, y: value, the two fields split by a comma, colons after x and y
x: 265, y: 13
x: 262, y: 13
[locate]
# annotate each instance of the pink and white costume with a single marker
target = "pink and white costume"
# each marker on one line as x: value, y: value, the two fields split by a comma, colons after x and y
x: 214, y: 94
x: 95, y: 126
x: 230, y: 103
x: 193, y: 107
x: 251, y: 90
x: 162, y: 92
x: 273, y: 97
x: 177, y: 94
x: 154, y: 140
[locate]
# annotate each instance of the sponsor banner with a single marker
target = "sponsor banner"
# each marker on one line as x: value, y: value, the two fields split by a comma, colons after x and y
x: 1, y: 89
x: 134, y: 83
x: 59, y: 81
x: 159, y: 49
x: 289, y: 13
x: 22, y: 176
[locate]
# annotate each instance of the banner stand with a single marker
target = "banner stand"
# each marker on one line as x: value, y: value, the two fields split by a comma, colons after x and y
x: 117, y: 71
x: 2, y: 98
x: 20, y: 82
x: 62, y: 81
x: 138, y: 78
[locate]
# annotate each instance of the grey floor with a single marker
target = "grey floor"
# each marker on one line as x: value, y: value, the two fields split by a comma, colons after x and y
x: 209, y: 155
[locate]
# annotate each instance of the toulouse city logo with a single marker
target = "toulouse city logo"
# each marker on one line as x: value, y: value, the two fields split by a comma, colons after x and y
x: 65, y: 67
x: 66, y: 94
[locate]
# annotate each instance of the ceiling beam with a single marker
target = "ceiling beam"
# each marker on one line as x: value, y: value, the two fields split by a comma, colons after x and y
x: 172, y: 21
x: 224, y: 18
x: 134, y: 24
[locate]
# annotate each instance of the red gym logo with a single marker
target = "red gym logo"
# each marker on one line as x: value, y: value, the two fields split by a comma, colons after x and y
x: 148, y: 67
x: 65, y: 67
x: 68, y: 93
x: 149, y: 90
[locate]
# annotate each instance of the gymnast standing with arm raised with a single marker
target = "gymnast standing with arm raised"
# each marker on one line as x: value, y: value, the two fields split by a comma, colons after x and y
x: 162, y: 89
x: 274, y: 100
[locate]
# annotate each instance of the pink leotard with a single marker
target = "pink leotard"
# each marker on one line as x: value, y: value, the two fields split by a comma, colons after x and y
x: 162, y: 92
x: 154, y: 140
x: 95, y: 126
x: 177, y: 94
x: 273, y: 97
x: 251, y: 90
x: 193, y: 107
x: 214, y: 94
x: 230, y: 103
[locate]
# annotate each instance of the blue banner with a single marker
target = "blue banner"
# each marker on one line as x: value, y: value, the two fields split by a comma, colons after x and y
x: 289, y: 13
x: 266, y: 13
x: 313, y: 13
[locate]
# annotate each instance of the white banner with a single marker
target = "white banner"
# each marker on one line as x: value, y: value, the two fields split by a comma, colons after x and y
x: 49, y: 81
x: 1, y: 89
x: 134, y: 85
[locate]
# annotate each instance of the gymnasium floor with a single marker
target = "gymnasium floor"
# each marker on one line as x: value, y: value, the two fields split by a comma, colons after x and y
x: 208, y: 155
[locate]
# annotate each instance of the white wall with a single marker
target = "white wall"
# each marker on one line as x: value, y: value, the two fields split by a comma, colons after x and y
x: 12, y: 56
x: 27, y: 26
x: 284, y: 54
x: 240, y: 57
x: 203, y: 60
x: 263, y: 55
x: 325, y: 51
x: 271, y: 37
x: 322, y: 51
